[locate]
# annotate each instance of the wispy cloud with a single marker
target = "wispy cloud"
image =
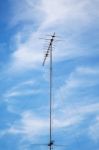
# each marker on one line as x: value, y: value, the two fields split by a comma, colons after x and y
x: 73, y: 15
x: 29, y: 125
x: 32, y: 126
x: 81, y: 79
x: 21, y: 93
x: 25, y: 88
x: 29, y: 128
x: 64, y: 11
x: 94, y: 130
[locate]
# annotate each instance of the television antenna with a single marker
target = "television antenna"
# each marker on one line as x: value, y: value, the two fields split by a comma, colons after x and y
x: 49, y: 53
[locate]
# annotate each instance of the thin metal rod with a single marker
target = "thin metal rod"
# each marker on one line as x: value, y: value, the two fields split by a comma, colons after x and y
x: 50, y: 94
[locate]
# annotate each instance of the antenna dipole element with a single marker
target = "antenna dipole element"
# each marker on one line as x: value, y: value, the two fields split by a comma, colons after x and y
x: 49, y: 48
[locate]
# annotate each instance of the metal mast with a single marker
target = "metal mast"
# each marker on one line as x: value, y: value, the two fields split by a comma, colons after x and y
x: 49, y: 52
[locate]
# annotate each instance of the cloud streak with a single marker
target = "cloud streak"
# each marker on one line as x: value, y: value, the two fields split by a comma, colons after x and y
x: 79, y: 81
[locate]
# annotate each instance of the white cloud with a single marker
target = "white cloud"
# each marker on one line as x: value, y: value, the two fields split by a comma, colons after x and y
x: 29, y: 125
x: 53, y: 12
x: 66, y: 122
x: 81, y: 110
x: 24, y: 88
x: 30, y: 82
x: 27, y: 54
x: 64, y: 11
x: 80, y: 78
x: 16, y: 93
x: 94, y: 130
x: 24, y: 58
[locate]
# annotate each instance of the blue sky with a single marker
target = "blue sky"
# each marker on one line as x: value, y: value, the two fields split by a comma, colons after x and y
x: 24, y: 83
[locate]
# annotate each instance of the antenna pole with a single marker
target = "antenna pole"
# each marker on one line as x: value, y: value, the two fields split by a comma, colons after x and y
x: 50, y: 94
